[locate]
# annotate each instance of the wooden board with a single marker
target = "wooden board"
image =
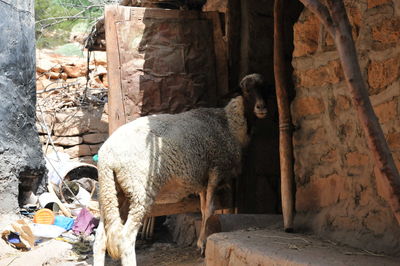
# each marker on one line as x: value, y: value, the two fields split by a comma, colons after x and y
x: 163, y: 61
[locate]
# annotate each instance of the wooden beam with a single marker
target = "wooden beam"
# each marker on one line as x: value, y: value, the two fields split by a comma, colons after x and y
x: 285, y: 121
x: 184, y: 206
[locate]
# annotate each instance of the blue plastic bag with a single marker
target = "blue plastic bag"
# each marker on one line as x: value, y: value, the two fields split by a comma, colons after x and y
x: 64, y: 222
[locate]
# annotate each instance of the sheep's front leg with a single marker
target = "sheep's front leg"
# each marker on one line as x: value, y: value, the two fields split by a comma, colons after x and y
x: 99, y: 247
x: 207, y: 208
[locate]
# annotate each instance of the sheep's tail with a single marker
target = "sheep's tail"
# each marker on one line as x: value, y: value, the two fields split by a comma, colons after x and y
x: 110, y: 210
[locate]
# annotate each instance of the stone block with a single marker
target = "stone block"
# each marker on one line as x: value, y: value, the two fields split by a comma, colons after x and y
x: 50, y: 149
x: 330, y: 157
x: 321, y: 192
x: 330, y: 73
x: 272, y: 247
x: 382, y: 73
x: 82, y: 150
x: 75, y: 71
x: 393, y: 140
x: 356, y: 159
x: 374, y: 222
x: 387, y: 32
x: 99, y: 58
x: 305, y: 106
x: 311, y: 136
x: 374, y: 3
x: 52, y: 75
x: 386, y: 111
x: 43, y: 66
x: 342, y: 103
x: 64, y: 76
x: 67, y: 141
x: 95, y: 138
x: 306, y: 36
x: 78, y: 123
x: 100, y: 70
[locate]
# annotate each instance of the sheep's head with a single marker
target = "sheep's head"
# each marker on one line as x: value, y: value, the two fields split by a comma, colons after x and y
x: 254, y: 93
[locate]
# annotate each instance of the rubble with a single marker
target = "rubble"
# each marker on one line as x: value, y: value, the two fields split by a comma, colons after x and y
x: 71, y: 103
x: 69, y: 210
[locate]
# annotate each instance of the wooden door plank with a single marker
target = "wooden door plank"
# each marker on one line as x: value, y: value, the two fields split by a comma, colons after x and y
x: 220, y: 49
x: 114, y: 13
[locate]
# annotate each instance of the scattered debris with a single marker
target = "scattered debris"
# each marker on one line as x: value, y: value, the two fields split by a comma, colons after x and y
x: 68, y: 211
x: 19, y: 235
x: 85, y: 223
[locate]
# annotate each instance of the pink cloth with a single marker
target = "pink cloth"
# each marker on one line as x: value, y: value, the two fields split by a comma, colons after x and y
x: 85, y: 223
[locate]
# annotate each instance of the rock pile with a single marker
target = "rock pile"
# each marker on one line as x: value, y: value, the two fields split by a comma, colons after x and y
x: 71, y: 103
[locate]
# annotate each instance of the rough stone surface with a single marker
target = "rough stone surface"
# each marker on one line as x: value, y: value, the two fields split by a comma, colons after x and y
x: 73, y: 123
x: 82, y: 150
x: 184, y: 228
x: 74, y: 71
x: 330, y: 73
x: 64, y: 141
x: 306, y: 36
x: 339, y: 193
x: 374, y: 3
x: 387, y: 32
x: 387, y: 111
x: 383, y: 73
x: 308, y: 106
x: 273, y: 247
x: 21, y: 160
x: 95, y: 138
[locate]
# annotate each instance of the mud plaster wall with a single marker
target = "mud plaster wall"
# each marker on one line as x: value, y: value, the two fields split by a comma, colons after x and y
x: 337, y: 194
x: 21, y: 160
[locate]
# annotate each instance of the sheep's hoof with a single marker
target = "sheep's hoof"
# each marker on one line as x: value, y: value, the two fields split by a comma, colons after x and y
x: 203, y: 251
x: 289, y: 230
x: 202, y: 247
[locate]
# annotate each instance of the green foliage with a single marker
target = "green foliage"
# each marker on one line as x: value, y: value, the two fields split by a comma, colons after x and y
x: 56, y: 18
x: 69, y: 49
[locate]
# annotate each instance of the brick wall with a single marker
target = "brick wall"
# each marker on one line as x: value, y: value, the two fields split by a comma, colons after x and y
x: 337, y: 195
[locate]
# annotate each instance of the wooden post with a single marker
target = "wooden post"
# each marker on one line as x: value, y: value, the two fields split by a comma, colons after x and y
x: 335, y: 19
x: 285, y: 132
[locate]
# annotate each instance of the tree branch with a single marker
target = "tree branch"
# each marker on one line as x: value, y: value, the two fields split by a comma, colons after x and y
x: 340, y: 29
x: 321, y: 11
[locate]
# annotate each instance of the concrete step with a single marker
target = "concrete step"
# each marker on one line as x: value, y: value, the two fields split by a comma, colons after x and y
x: 275, y: 247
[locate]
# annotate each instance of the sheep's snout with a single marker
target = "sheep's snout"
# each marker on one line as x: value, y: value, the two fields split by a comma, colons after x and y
x: 260, y: 109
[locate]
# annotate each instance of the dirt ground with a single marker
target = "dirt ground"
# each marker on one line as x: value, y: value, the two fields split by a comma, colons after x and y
x: 54, y: 252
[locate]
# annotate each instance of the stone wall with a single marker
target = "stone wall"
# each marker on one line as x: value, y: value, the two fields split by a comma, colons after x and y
x: 70, y: 108
x: 21, y: 161
x: 337, y: 194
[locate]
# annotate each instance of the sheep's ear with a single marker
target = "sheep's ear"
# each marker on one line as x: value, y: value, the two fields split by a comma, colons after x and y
x: 244, y: 86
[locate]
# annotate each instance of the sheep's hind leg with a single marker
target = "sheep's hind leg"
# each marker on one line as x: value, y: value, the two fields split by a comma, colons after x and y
x: 207, y: 208
x: 99, y: 247
x: 130, y: 231
x: 127, y: 244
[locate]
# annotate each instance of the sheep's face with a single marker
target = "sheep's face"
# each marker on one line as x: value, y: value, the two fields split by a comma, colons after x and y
x: 254, y: 92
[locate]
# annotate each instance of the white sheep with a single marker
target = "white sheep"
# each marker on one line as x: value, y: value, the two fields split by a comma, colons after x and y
x: 190, y: 152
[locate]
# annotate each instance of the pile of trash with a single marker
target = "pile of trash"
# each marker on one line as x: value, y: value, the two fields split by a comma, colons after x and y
x: 67, y: 211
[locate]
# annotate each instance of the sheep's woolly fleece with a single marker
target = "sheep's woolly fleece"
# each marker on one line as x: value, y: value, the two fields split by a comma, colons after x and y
x: 181, y: 149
